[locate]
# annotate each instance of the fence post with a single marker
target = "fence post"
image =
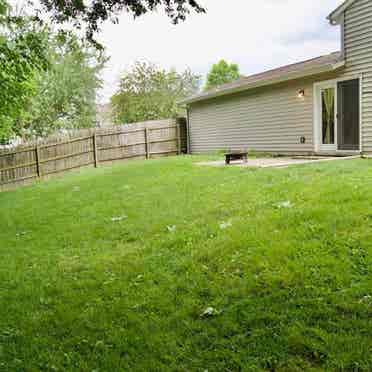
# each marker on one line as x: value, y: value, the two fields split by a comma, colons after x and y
x: 37, y: 157
x: 95, y: 154
x: 147, y: 143
x: 178, y: 133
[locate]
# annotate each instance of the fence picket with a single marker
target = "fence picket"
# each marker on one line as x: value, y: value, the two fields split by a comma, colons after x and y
x: 158, y: 138
x: 147, y: 143
x: 37, y: 158
x: 94, y: 139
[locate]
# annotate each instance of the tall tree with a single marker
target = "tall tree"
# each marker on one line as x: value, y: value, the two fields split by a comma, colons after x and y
x: 222, y: 73
x: 148, y: 92
x: 66, y: 93
x: 23, y: 48
x: 48, y: 81
x: 24, y: 57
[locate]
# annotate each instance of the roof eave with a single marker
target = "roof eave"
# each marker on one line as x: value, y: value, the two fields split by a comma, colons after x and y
x: 335, y: 18
x: 291, y: 76
x: 334, y: 21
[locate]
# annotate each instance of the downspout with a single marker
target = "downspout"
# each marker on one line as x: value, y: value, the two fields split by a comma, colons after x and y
x: 361, y: 137
x: 188, y: 130
x: 342, y: 23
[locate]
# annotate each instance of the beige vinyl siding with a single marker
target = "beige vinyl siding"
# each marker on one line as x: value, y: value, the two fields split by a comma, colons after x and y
x: 358, y: 58
x: 271, y: 119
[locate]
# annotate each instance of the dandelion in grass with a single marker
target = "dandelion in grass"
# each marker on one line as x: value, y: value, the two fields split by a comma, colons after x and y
x: 119, y: 218
x: 225, y: 224
x: 284, y: 204
x: 172, y: 228
x: 209, y: 312
x: 22, y: 233
x: 366, y: 300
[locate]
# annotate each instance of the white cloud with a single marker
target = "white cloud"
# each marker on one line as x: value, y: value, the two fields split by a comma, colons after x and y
x: 255, y: 34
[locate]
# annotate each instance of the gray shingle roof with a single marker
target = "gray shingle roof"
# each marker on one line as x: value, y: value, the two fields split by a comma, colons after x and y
x: 312, y: 66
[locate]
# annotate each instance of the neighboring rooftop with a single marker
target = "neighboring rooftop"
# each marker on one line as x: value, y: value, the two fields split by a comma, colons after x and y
x: 326, y: 63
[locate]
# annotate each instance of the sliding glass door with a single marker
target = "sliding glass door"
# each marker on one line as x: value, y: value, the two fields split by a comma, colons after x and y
x: 337, y: 115
x: 348, y: 94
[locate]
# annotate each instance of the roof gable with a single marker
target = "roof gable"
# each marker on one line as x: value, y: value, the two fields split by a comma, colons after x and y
x: 335, y: 16
x: 314, y: 66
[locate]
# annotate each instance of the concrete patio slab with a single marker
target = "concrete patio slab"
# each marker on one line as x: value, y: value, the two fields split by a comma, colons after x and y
x: 275, y: 162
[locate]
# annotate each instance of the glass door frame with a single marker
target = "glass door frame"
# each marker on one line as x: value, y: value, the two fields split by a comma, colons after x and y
x: 318, y: 129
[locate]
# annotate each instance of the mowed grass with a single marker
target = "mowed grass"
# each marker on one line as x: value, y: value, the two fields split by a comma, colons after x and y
x: 112, y: 269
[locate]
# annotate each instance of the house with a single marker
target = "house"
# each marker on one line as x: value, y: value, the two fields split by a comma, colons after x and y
x: 319, y: 106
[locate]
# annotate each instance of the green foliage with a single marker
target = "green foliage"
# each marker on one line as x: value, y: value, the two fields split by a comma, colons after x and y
x: 48, y: 81
x: 3, y: 11
x: 222, y: 73
x: 22, y: 55
x: 290, y: 286
x: 90, y: 14
x: 65, y: 93
x: 148, y: 92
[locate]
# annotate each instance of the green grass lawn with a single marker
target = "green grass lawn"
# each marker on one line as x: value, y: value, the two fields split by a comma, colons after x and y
x: 164, y: 265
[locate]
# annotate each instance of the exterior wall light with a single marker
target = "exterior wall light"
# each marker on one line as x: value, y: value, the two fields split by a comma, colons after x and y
x: 301, y: 93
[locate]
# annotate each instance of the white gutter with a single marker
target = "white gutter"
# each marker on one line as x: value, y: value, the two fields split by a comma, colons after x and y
x: 280, y: 79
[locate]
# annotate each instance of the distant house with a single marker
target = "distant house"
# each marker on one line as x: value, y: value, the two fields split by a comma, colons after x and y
x: 104, y: 115
x: 323, y: 105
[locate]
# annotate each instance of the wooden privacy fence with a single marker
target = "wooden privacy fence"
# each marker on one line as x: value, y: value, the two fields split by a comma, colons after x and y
x: 143, y: 141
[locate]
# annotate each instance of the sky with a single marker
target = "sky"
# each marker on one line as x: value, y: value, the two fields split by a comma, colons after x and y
x: 256, y: 34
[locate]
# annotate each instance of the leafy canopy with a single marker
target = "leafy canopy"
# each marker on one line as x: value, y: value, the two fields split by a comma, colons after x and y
x: 46, y: 84
x: 91, y: 14
x: 148, y: 92
x: 48, y: 81
x: 23, y: 46
x: 66, y: 92
x: 222, y: 73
